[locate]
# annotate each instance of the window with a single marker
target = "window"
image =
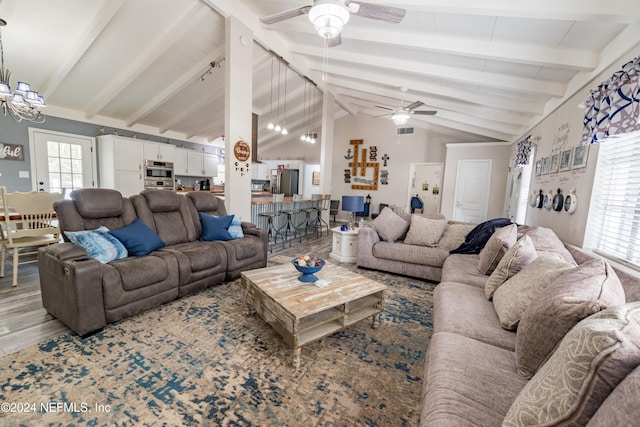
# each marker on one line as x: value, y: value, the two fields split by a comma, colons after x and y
x: 525, y: 187
x: 65, y: 166
x: 613, y: 228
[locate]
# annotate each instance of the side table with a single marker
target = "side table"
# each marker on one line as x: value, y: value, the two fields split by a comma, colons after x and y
x: 344, y: 247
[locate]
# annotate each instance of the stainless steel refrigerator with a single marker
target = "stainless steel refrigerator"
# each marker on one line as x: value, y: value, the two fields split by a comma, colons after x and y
x: 288, y: 182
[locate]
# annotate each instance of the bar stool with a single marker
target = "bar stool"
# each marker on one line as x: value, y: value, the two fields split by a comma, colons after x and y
x: 270, y: 215
x: 315, y: 200
x: 323, y: 204
x: 290, y: 225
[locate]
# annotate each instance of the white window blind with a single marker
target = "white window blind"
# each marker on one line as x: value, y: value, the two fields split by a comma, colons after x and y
x: 614, y: 217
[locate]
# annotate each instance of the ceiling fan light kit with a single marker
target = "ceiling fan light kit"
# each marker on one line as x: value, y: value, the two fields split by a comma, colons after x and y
x: 329, y: 17
x: 400, y: 117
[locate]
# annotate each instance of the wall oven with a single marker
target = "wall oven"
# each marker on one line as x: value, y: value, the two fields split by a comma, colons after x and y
x: 158, y: 175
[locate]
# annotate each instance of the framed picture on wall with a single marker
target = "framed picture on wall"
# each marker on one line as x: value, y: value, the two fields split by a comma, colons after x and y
x: 555, y: 163
x: 545, y: 165
x: 580, y: 156
x: 315, y: 178
x: 538, y: 167
x: 565, y: 160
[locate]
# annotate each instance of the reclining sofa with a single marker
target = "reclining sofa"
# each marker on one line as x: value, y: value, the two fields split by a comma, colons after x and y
x: 86, y: 294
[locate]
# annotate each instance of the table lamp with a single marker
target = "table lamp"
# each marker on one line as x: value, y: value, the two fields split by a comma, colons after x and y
x: 352, y: 204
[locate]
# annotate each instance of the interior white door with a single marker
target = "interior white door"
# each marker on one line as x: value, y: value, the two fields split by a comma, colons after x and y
x: 473, y: 183
x: 61, y: 161
x: 427, y: 183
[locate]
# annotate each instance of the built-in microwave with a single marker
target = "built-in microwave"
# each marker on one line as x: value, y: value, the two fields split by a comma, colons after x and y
x: 154, y: 169
x: 158, y: 175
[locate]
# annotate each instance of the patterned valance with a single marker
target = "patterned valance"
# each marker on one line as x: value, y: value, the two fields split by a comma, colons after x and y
x: 522, y: 154
x: 614, y: 107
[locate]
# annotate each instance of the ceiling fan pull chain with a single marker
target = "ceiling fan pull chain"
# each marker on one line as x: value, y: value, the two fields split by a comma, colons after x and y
x: 325, y: 59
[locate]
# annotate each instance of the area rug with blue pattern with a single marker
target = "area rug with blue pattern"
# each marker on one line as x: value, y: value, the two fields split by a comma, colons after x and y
x: 201, y: 360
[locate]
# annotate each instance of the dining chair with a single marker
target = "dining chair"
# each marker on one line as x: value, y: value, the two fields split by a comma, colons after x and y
x: 29, y: 222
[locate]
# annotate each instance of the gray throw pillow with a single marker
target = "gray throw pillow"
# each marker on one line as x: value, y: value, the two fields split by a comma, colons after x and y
x: 517, y: 257
x: 424, y: 231
x: 591, y: 360
x: 454, y: 235
x: 512, y: 298
x: 581, y: 292
x: 546, y: 240
x: 389, y: 225
x: 495, y: 248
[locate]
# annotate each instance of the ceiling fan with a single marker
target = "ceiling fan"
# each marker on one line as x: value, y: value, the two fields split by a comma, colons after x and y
x: 329, y: 16
x: 401, y: 115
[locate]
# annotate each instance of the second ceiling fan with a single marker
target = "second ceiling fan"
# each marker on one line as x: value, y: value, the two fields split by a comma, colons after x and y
x: 329, y: 16
x: 400, y: 115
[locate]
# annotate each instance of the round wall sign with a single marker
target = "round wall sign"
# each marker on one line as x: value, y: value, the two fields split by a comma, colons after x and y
x: 242, y: 151
x: 571, y: 202
x: 540, y: 200
x: 548, y: 200
x: 558, y: 201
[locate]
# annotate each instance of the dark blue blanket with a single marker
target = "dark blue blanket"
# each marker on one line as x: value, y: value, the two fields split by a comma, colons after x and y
x: 477, y: 238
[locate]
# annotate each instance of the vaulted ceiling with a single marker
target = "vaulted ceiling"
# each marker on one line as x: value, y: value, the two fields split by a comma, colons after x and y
x: 156, y: 66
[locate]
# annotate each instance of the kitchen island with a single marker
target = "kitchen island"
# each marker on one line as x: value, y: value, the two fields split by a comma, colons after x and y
x: 264, y: 203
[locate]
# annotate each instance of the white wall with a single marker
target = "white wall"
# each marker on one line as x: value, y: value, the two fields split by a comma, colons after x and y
x: 401, y: 149
x: 562, y: 130
x: 307, y: 180
x: 498, y: 153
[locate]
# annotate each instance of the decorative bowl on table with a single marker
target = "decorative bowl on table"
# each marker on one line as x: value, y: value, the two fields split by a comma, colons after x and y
x: 307, y: 265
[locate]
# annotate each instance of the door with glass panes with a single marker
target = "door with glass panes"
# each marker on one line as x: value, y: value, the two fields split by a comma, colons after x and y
x: 61, y: 162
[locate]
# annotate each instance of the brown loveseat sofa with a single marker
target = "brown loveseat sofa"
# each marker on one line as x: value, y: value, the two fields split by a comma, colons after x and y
x: 86, y: 294
x: 477, y: 372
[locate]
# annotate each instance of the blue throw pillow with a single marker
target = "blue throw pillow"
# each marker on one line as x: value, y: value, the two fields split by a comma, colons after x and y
x: 99, y: 244
x: 235, y: 229
x: 215, y: 227
x: 139, y: 239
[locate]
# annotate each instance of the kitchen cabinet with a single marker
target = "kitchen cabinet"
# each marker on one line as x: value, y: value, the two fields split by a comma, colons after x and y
x: 158, y: 151
x: 195, y: 163
x: 260, y: 171
x: 209, y: 165
x: 121, y: 164
x: 180, y: 162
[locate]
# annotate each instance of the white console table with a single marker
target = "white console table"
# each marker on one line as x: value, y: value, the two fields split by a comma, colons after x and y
x: 344, y: 247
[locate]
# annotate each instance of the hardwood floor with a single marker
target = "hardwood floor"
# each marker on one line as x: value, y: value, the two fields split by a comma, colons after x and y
x: 23, y: 320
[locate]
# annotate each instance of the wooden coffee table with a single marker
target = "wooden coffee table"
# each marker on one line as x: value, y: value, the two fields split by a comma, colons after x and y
x: 303, y: 312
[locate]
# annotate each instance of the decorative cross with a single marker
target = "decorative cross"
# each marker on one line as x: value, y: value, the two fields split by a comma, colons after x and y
x: 385, y: 158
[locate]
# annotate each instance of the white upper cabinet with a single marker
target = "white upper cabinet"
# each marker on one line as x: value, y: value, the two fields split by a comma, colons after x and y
x: 159, y: 152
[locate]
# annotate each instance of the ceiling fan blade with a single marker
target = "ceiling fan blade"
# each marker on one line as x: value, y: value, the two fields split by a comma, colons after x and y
x: 425, y: 112
x: 287, y: 14
x: 414, y: 105
x: 336, y: 41
x: 377, y: 11
x: 384, y: 108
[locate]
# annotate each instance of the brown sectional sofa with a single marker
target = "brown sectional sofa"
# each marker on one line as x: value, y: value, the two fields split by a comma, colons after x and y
x: 86, y: 294
x: 471, y: 376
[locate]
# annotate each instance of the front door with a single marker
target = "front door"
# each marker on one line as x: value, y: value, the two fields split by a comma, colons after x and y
x: 473, y: 183
x: 60, y: 161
